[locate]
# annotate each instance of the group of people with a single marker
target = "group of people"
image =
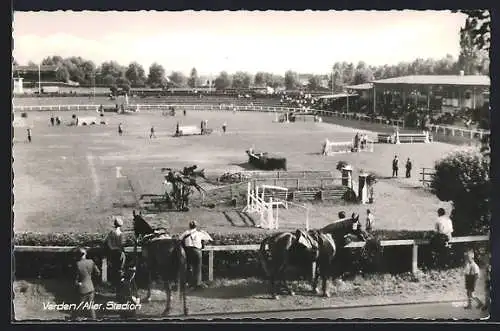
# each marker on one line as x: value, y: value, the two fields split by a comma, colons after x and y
x: 193, y: 241
x: 360, y: 141
x: 395, y: 167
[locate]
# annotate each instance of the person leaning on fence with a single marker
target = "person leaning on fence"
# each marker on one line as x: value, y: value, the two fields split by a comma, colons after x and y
x: 84, y: 270
x: 193, y: 241
x: 471, y: 276
x: 440, y: 241
x: 116, y: 252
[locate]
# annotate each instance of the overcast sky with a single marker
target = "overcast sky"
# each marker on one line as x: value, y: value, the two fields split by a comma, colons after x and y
x: 307, y: 42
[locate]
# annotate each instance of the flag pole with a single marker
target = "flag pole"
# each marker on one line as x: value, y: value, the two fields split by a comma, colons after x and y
x: 39, y: 81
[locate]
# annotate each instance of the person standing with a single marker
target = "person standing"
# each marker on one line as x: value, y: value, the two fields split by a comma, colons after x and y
x: 85, y: 269
x: 193, y: 242
x: 29, y: 134
x: 152, y: 132
x: 369, y: 220
x: 114, y: 245
x: 395, y: 166
x: 224, y: 127
x: 408, y: 168
x: 471, y: 276
x: 52, y: 120
x: 120, y: 129
x: 444, y: 225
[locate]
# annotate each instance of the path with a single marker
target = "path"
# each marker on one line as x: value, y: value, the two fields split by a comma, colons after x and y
x: 442, y: 310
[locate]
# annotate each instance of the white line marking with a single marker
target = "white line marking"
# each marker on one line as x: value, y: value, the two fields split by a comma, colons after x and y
x: 93, y: 173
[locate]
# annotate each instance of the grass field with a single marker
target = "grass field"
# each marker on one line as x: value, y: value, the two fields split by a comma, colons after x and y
x: 65, y: 179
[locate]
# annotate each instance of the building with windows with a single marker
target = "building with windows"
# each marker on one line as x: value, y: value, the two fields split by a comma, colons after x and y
x: 432, y: 93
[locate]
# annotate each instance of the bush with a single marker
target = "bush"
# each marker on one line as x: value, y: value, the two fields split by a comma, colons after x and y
x: 462, y: 177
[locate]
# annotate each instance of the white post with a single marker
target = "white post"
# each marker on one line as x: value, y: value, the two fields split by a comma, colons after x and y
x: 307, y: 219
x: 248, y: 194
x: 39, y: 81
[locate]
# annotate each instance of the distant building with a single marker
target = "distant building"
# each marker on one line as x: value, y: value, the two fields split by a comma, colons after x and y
x: 434, y: 93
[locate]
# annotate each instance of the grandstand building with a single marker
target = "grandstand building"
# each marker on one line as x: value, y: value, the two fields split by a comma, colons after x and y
x: 26, y: 79
x: 434, y: 93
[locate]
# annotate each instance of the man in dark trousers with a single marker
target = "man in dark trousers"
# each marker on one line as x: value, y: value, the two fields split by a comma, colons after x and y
x: 408, y: 168
x: 120, y: 129
x: 29, y: 134
x: 84, y: 270
x: 152, y: 132
x: 193, y: 242
x: 116, y: 253
x: 395, y: 166
x: 52, y: 120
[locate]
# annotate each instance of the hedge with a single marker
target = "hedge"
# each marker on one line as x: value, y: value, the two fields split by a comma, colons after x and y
x: 395, y: 259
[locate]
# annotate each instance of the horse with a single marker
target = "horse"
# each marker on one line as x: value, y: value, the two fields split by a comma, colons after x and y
x: 347, y: 230
x: 165, y: 255
x: 300, y: 249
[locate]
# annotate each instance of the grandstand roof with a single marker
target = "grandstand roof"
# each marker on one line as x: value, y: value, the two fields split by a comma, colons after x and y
x: 365, y: 86
x: 338, y: 96
x: 469, y: 80
x: 35, y: 68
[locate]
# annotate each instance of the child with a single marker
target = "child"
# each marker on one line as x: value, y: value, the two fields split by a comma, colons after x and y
x: 471, y: 276
x: 369, y: 220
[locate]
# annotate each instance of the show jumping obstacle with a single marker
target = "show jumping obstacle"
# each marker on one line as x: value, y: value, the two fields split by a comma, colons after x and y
x: 335, y: 147
x: 269, y: 218
x: 191, y: 130
x: 399, y: 138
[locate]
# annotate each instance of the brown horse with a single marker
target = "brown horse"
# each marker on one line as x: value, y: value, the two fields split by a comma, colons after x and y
x: 164, y: 255
x: 299, y: 249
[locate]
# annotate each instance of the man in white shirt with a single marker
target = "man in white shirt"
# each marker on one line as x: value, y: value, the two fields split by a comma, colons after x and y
x: 443, y: 224
x: 193, y: 242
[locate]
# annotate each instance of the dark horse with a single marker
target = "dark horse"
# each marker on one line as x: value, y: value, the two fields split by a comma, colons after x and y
x: 164, y: 255
x: 299, y: 249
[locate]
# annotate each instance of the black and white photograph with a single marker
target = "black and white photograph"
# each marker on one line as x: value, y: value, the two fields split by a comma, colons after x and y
x: 205, y: 165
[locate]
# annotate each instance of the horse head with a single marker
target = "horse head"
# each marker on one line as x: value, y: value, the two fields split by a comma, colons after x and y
x: 141, y: 227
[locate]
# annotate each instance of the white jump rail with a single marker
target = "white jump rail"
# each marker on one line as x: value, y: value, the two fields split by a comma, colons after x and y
x: 455, y: 131
x: 231, y: 248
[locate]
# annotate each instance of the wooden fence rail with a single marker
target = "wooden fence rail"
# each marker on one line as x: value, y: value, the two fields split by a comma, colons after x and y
x: 212, y: 249
x: 427, y: 174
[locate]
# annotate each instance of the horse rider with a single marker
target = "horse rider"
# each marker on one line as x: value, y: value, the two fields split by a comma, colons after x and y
x: 193, y: 243
x: 114, y: 245
x: 357, y: 228
x: 84, y: 270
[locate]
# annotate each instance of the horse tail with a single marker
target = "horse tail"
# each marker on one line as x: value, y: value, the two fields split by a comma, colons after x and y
x: 263, y: 256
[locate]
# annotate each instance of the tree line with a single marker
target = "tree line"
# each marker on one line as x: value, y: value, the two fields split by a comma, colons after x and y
x: 473, y: 59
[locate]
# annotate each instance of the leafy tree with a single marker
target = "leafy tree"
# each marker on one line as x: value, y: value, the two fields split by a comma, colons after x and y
x: 241, y: 80
x: 156, y: 77
x: 32, y: 64
x: 276, y: 81
x: 109, y: 72
x: 259, y: 79
x: 478, y: 28
x: 463, y: 177
x: 193, y: 78
x: 178, y: 78
x: 291, y: 80
x: 135, y: 74
x: 362, y: 75
x: 62, y: 74
x: 314, y: 83
x: 223, y: 81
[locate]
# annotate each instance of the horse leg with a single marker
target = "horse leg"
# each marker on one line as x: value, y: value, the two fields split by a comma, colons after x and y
x: 315, y: 280
x: 284, y: 279
x: 168, y: 293
x: 324, y: 279
x: 148, y: 295
x: 182, y: 289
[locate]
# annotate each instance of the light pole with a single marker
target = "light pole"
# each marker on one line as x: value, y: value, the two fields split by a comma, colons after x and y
x: 39, y: 81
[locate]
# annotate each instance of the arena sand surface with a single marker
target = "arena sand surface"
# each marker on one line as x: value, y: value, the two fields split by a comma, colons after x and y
x: 65, y: 180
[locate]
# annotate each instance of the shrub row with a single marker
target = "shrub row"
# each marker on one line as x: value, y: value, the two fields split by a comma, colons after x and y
x: 395, y: 259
